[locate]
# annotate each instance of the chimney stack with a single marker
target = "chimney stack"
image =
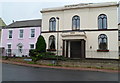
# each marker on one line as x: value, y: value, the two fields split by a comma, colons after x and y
x: 13, y: 21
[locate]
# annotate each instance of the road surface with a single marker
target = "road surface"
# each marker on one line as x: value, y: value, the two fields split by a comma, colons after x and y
x: 23, y: 73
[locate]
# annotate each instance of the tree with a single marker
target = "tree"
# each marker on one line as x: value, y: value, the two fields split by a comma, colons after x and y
x: 41, y: 44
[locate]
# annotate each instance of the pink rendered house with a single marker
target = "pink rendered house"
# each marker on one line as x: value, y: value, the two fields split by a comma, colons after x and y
x: 20, y: 36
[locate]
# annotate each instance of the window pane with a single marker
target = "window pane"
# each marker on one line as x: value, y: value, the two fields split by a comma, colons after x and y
x: 9, y: 49
x: 21, y: 34
x: 31, y: 46
x: 52, y: 24
x: 102, y: 21
x: 78, y: 24
x: 51, y: 42
x: 9, y: 46
x: 75, y: 22
x: 10, y: 33
x: 32, y: 32
x: 102, y: 39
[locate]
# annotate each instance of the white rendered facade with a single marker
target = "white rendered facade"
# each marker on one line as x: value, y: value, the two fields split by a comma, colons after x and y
x: 88, y: 32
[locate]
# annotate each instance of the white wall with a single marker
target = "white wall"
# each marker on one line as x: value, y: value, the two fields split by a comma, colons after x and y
x: 88, y: 20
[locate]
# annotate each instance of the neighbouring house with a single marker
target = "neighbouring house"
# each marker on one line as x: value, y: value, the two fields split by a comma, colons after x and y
x: 2, y: 25
x: 20, y: 36
x: 86, y: 30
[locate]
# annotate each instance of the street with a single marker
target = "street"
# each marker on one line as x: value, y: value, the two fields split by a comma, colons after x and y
x: 23, y: 73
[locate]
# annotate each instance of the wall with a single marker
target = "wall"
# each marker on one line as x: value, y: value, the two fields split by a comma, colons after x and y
x: 88, y: 21
x: 26, y: 41
x: 88, y: 18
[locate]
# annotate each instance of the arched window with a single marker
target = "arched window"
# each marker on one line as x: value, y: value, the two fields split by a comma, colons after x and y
x: 76, y: 22
x: 52, y: 42
x: 52, y: 24
x: 102, y: 40
x: 102, y: 21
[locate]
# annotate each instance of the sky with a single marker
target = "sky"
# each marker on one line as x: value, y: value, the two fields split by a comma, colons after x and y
x: 19, y: 10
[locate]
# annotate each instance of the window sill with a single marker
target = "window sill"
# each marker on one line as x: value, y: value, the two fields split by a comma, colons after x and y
x: 102, y: 29
x: 20, y: 38
x: 51, y: 49
x: 102, y: 50
x: 31, y: 37
x: 75, y: 29
x: 10, y: 38
x: 52, y: 31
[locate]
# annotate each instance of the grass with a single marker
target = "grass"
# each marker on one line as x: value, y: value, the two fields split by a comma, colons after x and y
x: 31, y: 62
x: 89, y: 65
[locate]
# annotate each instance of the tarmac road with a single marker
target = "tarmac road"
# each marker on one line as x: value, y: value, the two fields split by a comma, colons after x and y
x: 12, y: 72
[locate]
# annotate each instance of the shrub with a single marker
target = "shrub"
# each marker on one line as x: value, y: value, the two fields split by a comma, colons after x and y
x: 5, y: 57
x: 33, y: 52
x: 41, y: 44
x: 49, y: 53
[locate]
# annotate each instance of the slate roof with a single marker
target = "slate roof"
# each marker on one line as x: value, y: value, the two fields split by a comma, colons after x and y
x: 26, y: 23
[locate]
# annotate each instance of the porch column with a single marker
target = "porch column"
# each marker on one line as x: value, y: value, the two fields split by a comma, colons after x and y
x: 83, y: 48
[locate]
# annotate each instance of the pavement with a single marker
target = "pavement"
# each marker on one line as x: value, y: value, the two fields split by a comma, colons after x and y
x: 58, y: 67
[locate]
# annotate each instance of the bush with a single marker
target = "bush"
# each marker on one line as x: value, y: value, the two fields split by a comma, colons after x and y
x: 33, y: 52
x: 49, y: 53
x: 5, y: 57
x: 41, y: 44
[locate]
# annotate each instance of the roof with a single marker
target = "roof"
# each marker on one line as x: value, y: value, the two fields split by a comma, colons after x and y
x: 26, y: 23
x: 80, y: 6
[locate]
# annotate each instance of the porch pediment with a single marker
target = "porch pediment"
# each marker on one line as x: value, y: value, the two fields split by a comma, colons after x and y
x: 73, y: 35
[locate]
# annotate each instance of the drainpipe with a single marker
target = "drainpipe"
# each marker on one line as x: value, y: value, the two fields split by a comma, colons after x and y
x: 57, y: 37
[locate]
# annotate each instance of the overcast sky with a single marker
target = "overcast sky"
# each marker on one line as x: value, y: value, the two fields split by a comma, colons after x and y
x: 18, y: 10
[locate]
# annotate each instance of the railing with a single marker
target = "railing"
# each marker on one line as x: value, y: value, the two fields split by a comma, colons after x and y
x: 66, y: 53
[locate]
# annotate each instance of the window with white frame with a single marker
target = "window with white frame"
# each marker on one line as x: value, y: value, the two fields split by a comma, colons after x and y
x: 31, y: 46
x: 52, y: 42
x: 32, y: 33
x: 52, y: 24
x: 102, y: 40
x: 10, y: 34
x: 9, y: 49
x: 21, y: 33
x: 75, y: 22
x: 102, y: 21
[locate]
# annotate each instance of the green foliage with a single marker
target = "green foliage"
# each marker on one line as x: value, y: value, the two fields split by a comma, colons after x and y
x: 5, y: 57
x: 41, y: 44
x: 35, y: 55
x: 31, y: 62
x: 33, y: 52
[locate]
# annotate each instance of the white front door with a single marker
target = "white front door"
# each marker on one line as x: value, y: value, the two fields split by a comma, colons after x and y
x: 20, y: 49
